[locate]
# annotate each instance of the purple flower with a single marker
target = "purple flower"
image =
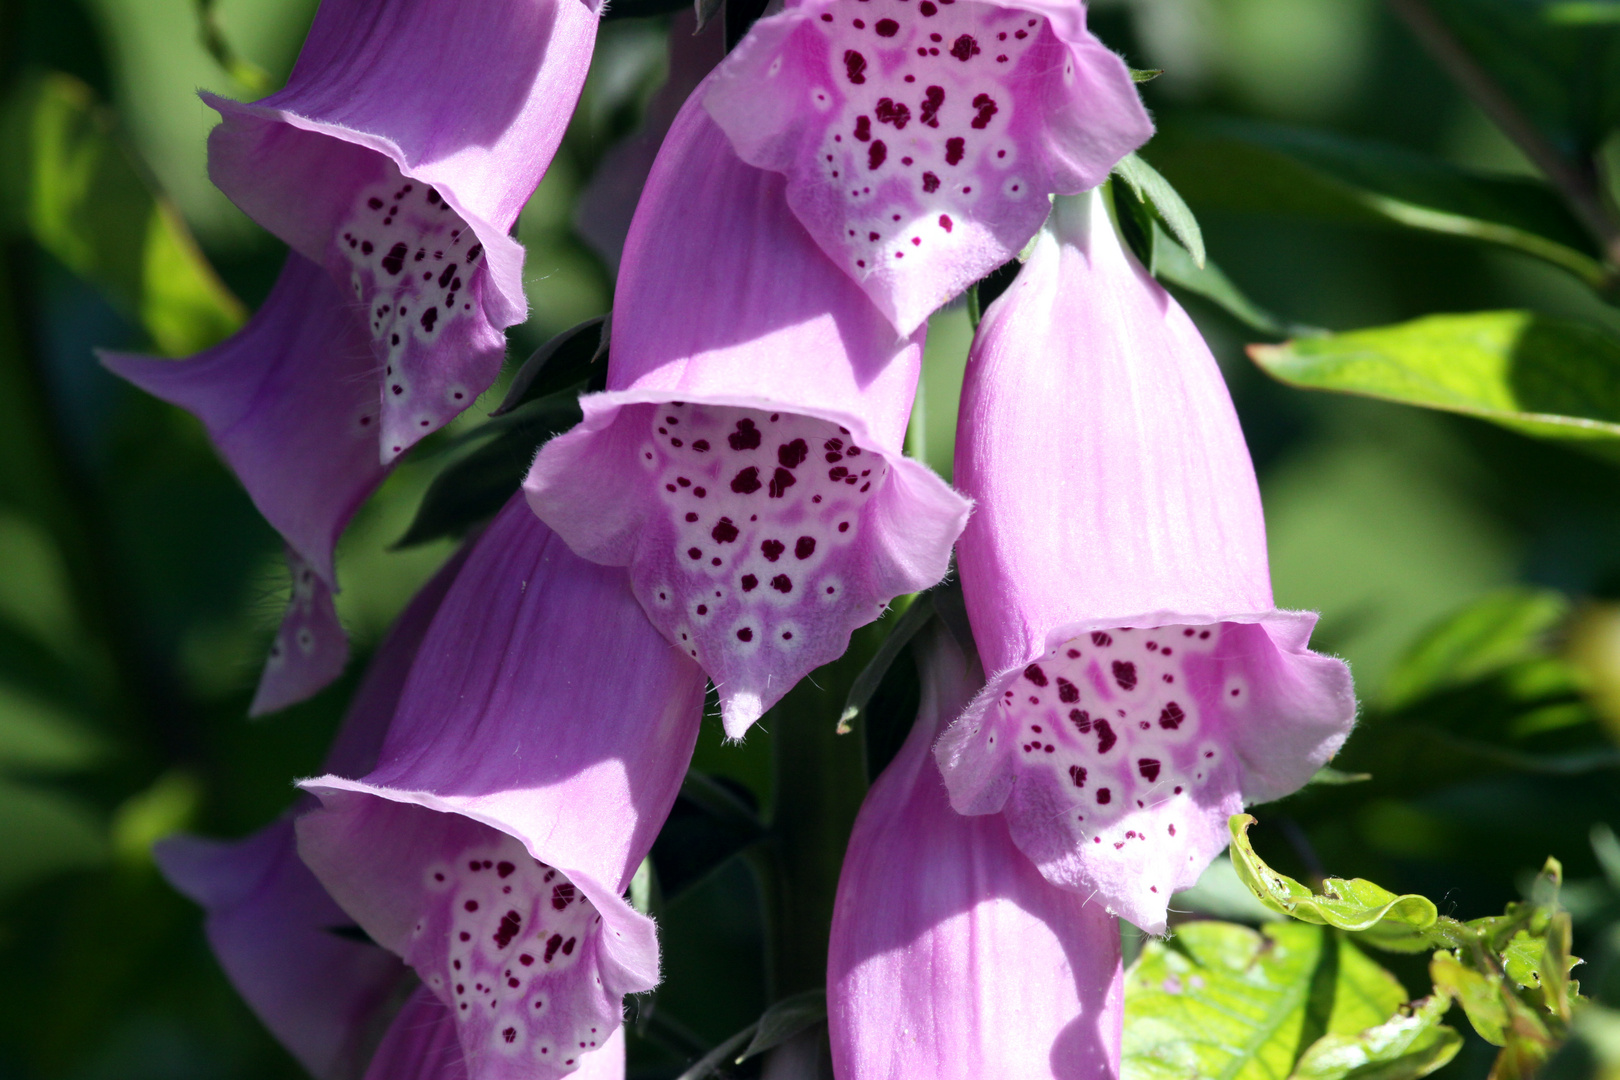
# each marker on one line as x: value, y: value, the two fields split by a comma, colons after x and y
x: 951, y: 957
x: 920, y: 140
x: 289, y: 406
x: 407, y: 139
x: 421, y: 1044
x: 1144, y: 685
x: 271, y: 924
x: 539, y: 743
x: 745, y: 461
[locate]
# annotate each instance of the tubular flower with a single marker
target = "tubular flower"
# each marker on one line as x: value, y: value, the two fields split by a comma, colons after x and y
x: 1144, y: 685
x: 920, y: 140
x: 745, y: 461
x: 951, y: 957
x: 288, y: 405
x: 272, y: 925
x: 398, y: 156
x: 540, y: 741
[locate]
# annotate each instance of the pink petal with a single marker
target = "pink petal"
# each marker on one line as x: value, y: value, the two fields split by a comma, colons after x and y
x: 288, y: 404
x: 951, y: 957
x: 1115, y: 574
x: 782, y: 465
x: 539, y: 744
x: 920, y: 141
x: 310, y: 647
x: 449, y: 112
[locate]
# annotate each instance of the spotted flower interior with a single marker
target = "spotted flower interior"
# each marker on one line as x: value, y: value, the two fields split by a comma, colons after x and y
x: 419, y: 272
x: 511, y: 946
x: 1125, y: 736
x: 912, y: 133
x: 754, y: 565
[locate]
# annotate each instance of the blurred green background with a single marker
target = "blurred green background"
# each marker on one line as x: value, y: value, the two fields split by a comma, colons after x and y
x: 139, y: 589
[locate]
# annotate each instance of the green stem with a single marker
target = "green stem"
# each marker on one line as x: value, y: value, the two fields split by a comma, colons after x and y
x: 820, y: 782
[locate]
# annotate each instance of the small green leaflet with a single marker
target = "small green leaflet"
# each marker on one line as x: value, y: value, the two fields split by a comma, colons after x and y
x: 1223, y: 1002
x: 1393, y: 921
x: 1537, y: 375
x: 1153, y: 190
x: 1410, y: 1044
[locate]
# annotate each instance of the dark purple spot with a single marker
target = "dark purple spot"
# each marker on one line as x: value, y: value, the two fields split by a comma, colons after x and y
x: 888, y: 112
x: 562, y: 894
x: 964, y: 48
x: 1104, y: 797
x: 854, y: 66
x: 746, y: 437
x: 772, y: 549
x: 954, y: 149
x: 987, y: 108
x: 553, y: 943
x: 1081, y: 720
x: 504, y: 869
x: 374, y: 202
x: 1171, y: 716
x: 1035, y: 675
x: 1149, y: 768
x: 745, y: 634
x: 749, y: 582
x: 429, y: 317
x: 394, y: 261
x: 746, y: 482
x: 1105, y: 736
x: 1078, y: 775
x: 1125, y: 674
x: 886, y: 27
x: 863, y: 128
x: 930, y: 183
x: 782, y: 583
x: 805, y: 547
x: 508, y: 929
x: 471, y: 905
x: 792, y: 455
x: 701, y: 446
x: 1068, y: 693
x: 945, y: 222
x: 724, y: 531
x: 781, y: 480
x: 876, y: 153
x: 694, y: 553
x: 1100, y: 639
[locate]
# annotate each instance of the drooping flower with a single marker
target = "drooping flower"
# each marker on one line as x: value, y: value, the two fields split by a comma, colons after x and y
x: 539, y: 744
x: 745, y: 461
x: 273, y: 927
x: 289, y: 405
x: 406, y: 141
x: 1144, y: 686
x: 920, y: 141
x: 952, y: 958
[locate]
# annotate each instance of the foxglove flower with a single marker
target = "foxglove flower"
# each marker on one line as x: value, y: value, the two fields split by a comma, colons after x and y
x: 406, y: 141
x: 951, y: 957
x: 271, y: 924
x: 289, y: 405
x: 920, y: 141
x: 540, y: 741
x: 1144, y: 685
x: 745, y: 461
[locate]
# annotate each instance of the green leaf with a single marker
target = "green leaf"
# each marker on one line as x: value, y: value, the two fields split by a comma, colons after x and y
x: 1536, y: 375
x: 1173, y: 265
x: 1153, y: 190
x: 563, y: 361
x: 1222, y: 1002
x: 1411, y: 1044
x: 83, y: 197
x: 1271, y: 169
x: 478, y: 480
x: 45, y: 832
x: 1479, y: 995
x: 1486, y: 636
x: 784, y: 1020
x: 1395, y: 921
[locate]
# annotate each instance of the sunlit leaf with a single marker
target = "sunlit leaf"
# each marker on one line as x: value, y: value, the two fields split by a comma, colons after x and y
x: 1354, y: 904
x: 81, y: 194
x: 1411, y: 1044
x: 1482, y: 638
x: 1223, y: 1001
x: 1153, y: 190
x: 1536, y: 375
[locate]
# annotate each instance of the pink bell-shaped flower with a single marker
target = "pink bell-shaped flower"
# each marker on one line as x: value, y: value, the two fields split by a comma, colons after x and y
x: 1143, y: 685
